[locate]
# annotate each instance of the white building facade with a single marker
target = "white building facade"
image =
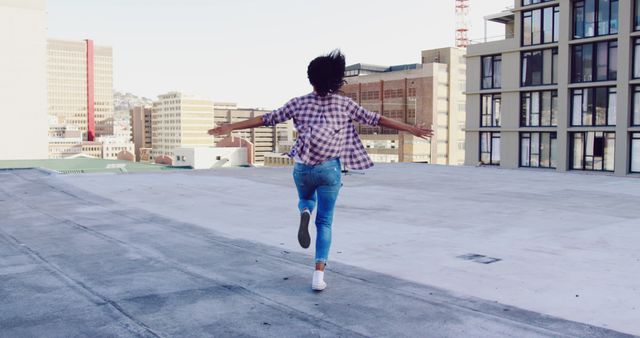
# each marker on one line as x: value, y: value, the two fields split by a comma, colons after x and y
x: 23, y: 108
x: 112, y: 146
x: 210, y: 157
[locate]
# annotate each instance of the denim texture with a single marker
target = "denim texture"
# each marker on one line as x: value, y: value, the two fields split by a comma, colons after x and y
x: 318, y: 186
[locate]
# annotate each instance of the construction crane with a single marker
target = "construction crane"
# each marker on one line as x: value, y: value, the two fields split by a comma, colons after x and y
x: 462, y: 24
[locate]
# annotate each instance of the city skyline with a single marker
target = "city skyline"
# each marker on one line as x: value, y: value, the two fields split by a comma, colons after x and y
x: 162, y: 46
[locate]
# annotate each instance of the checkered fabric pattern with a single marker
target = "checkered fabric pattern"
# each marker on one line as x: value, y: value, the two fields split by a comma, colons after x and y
x: 325, y: 129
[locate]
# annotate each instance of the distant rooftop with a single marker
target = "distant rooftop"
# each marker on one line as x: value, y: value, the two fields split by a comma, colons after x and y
x: 504, y: 17
x: 364, y: 69
x: 507, y: 18
x: 84, y: 165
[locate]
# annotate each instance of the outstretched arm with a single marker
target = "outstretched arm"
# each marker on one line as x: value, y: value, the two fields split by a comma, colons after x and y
x: 226, y: 128
x: 269, y: 119
x: 420, y: 130
x: 360, y: 114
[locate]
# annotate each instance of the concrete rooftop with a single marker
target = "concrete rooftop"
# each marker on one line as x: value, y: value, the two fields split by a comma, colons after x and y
x: 197, y: 253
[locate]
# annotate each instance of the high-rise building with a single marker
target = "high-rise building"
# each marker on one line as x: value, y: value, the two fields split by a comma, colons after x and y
x: 179, y: 120
x: 264, y: 139
x: 561, y: 91
x: 430, y: 92
x: 141, y: 129
x: 80, y: 82
x: 23, y: 108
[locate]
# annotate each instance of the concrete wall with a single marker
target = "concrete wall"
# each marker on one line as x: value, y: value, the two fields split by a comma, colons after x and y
x: 23, y: 101
x: 454, y: 59
x: 210, y: 157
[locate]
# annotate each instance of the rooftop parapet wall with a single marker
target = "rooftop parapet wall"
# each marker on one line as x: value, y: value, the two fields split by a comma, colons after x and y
x: 492, y: 47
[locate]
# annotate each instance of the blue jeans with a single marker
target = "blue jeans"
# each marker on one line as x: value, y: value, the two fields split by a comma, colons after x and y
x: 319, y: 185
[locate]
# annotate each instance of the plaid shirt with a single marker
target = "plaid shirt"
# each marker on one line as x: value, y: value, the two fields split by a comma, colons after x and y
x: 325, y: 129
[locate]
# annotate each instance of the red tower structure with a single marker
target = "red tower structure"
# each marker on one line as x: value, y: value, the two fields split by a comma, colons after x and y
x: 462, y: 25
x: 91, y: 124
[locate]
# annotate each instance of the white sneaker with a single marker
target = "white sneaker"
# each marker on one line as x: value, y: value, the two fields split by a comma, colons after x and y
x: 318, y: 283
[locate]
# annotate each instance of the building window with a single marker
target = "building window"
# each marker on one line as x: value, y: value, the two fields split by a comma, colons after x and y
x: 540, y: 67
x: 593, y: 106
x: 349, y: 73
x: 353, y: 96
x: 370, y: 95
x: 539, y: 109
x: 636, y: 18
x: 533, y: 2
x: 636, y: 58
x: 491, y: 71
x: 593, y: 151
x: 595, y: 18
x: 540, y: 26
x: 635, y: 152
x: 490, y: 148
x: 538, y: 150
x: 594, y: 62
x: 635, y: 118
x: 393, y: 93
x: 490, y: 110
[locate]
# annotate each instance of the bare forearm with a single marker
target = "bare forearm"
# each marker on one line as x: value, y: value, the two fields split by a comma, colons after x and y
x: 420, y: 130
x: 393, y: 124
x: 226, y: 128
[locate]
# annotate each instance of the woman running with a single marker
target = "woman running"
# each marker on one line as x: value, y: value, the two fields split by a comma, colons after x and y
x: 327, y: 139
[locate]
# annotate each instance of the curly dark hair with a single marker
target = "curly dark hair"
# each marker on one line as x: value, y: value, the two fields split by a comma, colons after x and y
x: 326, y: 73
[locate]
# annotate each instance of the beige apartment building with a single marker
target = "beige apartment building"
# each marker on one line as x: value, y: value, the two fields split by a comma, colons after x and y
x: 179, y: 120
x: 23, y: 108
x: 71, y: 148
x: 80, y: 86
x: 431, y: 92
x: 141, y: 130
x: 264, y: 139
x: 279, y: 158
x: 561, y: 91
x: 92, y: 148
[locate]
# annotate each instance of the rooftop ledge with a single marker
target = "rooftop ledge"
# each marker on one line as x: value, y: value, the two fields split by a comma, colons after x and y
x: 507, y: 18
x: 499, y: 45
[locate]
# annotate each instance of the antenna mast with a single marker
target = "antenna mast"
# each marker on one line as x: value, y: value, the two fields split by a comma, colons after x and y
x: 462, y: 25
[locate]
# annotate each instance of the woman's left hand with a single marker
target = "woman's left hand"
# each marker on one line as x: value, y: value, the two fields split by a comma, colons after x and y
x: 421, y: 131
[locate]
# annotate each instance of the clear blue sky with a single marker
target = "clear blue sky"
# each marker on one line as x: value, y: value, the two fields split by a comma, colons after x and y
x: 254, y: 52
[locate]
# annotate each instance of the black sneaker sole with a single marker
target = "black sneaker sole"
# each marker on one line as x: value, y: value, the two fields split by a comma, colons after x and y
x: 303, y: 232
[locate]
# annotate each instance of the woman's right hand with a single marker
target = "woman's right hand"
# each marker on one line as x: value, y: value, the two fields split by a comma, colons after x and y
x: 221, y: 129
